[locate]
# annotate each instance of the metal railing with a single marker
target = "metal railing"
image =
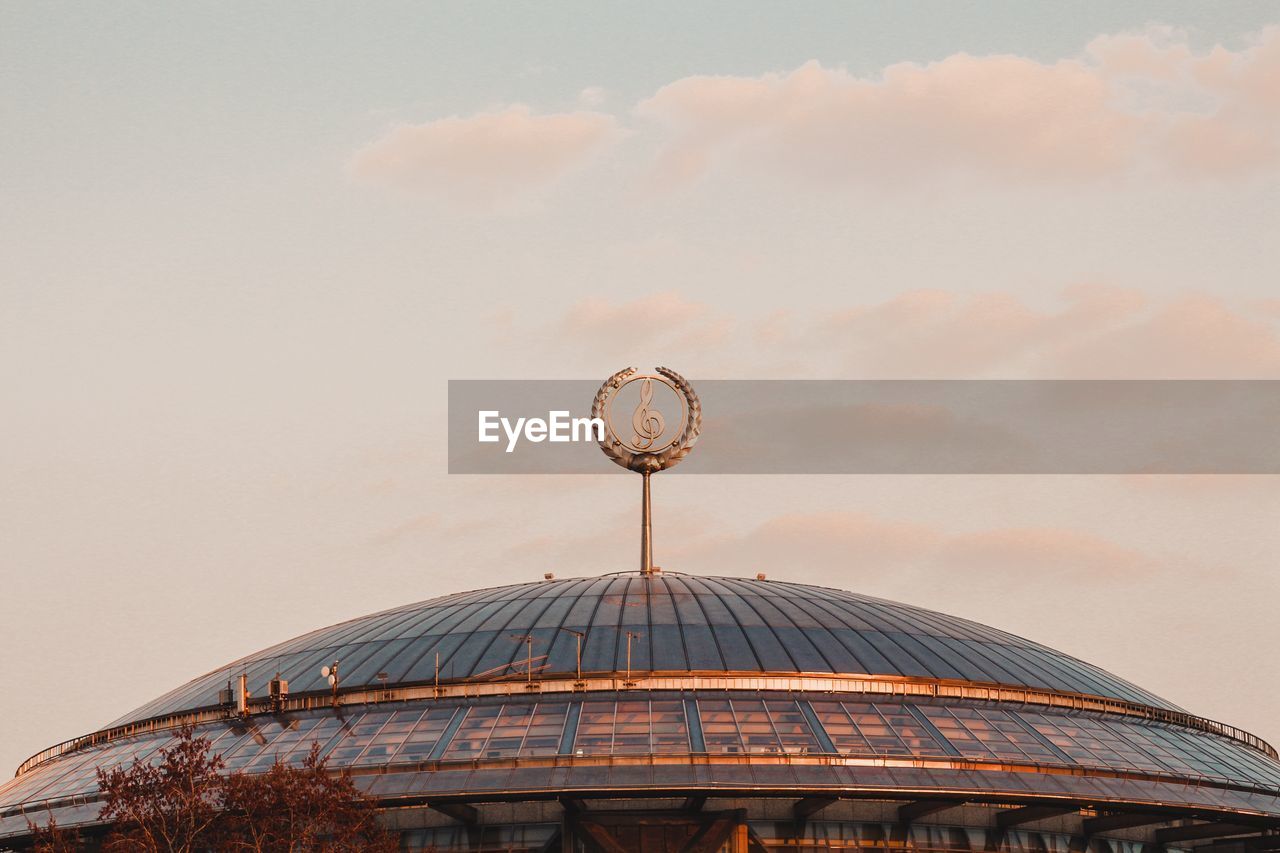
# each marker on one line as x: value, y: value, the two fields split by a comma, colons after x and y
x: 869, y: 685
x: 975, y: 794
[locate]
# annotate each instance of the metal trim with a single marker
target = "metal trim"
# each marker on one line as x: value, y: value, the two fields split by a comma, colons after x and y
x: 855, y: 684
x: 974, y: 794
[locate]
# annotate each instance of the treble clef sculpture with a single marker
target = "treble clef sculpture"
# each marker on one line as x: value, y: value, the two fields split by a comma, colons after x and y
x: 648, y: 423
x: 650, y: 450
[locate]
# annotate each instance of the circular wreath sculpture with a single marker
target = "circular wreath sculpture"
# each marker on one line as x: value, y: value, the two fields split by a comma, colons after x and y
x: 649, y: 463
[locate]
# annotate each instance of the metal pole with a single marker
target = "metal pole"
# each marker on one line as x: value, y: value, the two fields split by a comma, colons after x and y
x: 577, y: 635
x: 646, y: 532
x: 629, y: 637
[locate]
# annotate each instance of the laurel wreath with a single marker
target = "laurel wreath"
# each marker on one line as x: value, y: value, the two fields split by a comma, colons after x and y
x: 648, y: 463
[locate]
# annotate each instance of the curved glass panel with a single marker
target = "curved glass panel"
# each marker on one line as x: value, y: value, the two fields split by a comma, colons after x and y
x: 677, y: 623
x: 403, y: 735
x: 632, y: 727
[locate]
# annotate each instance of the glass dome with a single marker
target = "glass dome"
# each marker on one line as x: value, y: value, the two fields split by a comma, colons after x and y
x: 679, y: 623
x: 696, y: 689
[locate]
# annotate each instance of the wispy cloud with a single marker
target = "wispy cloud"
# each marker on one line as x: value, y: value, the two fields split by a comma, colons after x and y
x: 1096, y: 332
x: 1091, y: 332
x: 485, y: 160
x: 1128, y: 104
x: 655, y: 322
x: 882, y: 548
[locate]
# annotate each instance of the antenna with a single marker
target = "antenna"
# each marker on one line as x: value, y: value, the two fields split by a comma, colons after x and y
x: 527, y: 639
x: 227, y: 696
x: 278, y: 689
x: 331, y: 673
x: 631, y: 635
x: 578, y: 635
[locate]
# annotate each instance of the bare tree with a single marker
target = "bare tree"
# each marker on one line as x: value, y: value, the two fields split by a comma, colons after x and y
x: 171, y: 805
x: 290, y: 808
x: 53, y: 838
x: 181, y: 802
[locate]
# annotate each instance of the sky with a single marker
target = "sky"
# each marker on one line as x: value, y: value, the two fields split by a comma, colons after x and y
x: 245, y: 248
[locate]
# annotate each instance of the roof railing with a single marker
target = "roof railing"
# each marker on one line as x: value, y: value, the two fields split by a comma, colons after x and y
x: 783, y: 757
x: 871, y: 685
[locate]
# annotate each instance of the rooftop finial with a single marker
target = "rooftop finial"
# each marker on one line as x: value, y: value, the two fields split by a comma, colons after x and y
x: 648, y: 441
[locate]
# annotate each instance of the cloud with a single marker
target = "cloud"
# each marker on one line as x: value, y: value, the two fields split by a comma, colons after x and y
x: 1088, y: 332
x: 485, y: 160
x: 882, y: 549
x: 663, y: 322
x: 1190, y: 337
x: 1047, y: 551
x: 1095, y: 332
x: 1256, y: 489
x: 818, y: 541
x: 887, y: 553
x: 828, y: 434
x: 1001, y: 115
x: 1214, y: 114
x: 1091, y: 331
x: 1129, y: 104
x: 593, y: 96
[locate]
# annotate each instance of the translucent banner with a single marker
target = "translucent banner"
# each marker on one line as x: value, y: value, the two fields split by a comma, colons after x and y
x: 886, y: 427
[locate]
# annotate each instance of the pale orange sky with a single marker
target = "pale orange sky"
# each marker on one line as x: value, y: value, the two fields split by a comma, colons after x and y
x: 243, y: 257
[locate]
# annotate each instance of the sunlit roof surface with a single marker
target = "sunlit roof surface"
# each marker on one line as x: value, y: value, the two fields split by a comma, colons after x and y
x: 680, y: 623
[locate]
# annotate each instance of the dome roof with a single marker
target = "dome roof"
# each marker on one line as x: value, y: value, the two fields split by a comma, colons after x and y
x: 680, y: 624
x: 742, y: 686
